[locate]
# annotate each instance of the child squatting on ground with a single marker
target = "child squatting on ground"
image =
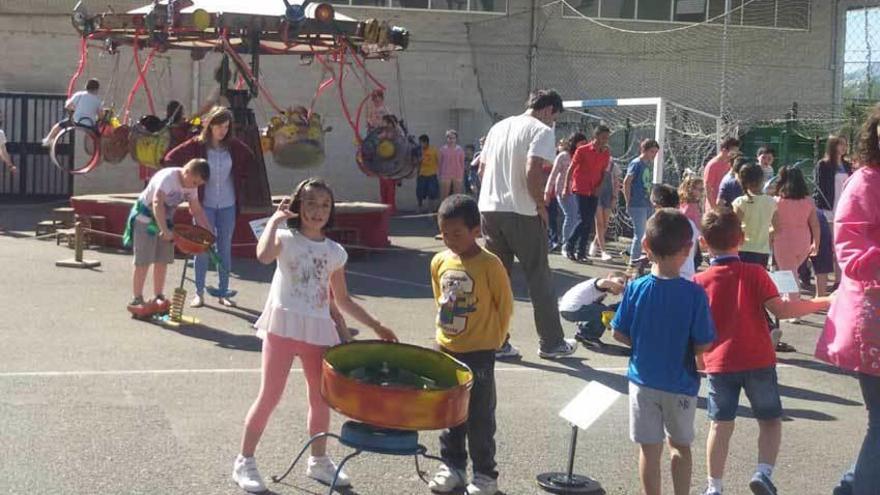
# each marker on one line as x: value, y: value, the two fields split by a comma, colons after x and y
x: 666, y: 321
x: 474, y: 307
x: 743, y: 356
x: 299, y: 320
x: 149, y: 228
x: 584, y: 304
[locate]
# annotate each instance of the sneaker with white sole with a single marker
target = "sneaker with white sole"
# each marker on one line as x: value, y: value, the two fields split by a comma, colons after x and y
x: 564, y: 349
x: 507, y: 351
x: 246, y: 475
x: 593, y: 249
x: 482, y: 485
x: 447, y: 480
x: 323, y: 469
x: 197, y: 302
x: 606, y: 256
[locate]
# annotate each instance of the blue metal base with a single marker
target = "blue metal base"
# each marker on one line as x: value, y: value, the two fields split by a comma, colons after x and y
x: 368, y: 438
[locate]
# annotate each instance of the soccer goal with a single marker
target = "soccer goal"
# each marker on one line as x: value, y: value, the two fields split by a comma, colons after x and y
x: 688, y: 137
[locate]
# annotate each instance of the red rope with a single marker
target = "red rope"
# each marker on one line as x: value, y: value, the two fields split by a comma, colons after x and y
x: 242, y: 65
x: 354, y: 126
x: 366, y: 71
x: 141, y: 81
x: 81, y: 66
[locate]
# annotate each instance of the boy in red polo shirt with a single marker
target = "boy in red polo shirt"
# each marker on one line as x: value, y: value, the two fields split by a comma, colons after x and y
x: 743, y: 356
x: 584, y: 177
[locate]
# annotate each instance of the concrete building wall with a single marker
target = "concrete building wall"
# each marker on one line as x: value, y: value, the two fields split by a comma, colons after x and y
x: 436, y: 80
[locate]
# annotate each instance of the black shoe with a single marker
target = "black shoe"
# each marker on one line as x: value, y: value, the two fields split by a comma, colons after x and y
x: 584, y: 260
x: 593, y: 342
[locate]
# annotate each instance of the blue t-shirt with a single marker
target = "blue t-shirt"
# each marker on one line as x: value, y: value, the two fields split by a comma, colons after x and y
x: 664, y: 319
x: 729, y: 190
x: 639, y: 196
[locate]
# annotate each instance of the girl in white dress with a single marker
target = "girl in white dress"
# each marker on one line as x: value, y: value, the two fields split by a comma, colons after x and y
x: 297, y: 322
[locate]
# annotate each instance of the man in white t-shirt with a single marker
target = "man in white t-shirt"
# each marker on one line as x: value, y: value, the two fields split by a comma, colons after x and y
x: 148, y: 229
x: 512, y: 163
x: 86, y: 108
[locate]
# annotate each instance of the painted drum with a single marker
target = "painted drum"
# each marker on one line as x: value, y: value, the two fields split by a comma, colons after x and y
x: 429, y: 390
x: 192, y: 239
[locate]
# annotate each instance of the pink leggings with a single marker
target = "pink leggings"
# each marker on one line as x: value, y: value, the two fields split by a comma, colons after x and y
x: 278, y: 355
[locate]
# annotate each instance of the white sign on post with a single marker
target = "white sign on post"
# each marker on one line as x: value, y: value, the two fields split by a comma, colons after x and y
x: 589, y: 405
x: 258, y: 226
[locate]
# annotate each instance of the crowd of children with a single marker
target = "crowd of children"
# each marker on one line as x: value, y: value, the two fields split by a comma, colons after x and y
x: 678, y: 322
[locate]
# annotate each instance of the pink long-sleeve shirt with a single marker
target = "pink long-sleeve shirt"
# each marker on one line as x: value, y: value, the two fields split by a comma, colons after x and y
x: 851, y: 337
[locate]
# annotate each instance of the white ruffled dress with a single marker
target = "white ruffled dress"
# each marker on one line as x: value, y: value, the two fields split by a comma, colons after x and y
x: 298, y: 306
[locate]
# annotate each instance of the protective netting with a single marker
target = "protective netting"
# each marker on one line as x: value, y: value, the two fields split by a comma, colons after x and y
x: 690, y: 137
x: 769, y: 64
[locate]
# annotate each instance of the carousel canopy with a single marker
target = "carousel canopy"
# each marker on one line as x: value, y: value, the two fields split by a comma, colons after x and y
x: 253, y: 26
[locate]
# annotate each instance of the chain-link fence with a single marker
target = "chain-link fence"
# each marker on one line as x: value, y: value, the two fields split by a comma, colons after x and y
x: 768, y: 62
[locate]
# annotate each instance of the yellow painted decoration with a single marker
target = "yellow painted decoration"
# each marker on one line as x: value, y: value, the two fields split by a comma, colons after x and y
x: 202, y: 19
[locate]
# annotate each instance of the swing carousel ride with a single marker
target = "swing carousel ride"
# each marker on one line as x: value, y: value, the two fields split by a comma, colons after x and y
x: 314, y: 32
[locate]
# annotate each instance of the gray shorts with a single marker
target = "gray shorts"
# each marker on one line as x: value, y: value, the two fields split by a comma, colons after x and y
x: 655, y: 415
x: 148, y: 248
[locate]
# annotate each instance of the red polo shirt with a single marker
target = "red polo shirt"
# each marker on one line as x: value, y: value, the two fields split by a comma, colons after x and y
x: 588, y: 168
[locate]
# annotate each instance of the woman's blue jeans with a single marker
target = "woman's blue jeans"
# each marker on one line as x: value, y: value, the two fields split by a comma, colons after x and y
x: 864, y: 477
x: 223, y: 220
x: 639, y: 216
x: 571, y: 216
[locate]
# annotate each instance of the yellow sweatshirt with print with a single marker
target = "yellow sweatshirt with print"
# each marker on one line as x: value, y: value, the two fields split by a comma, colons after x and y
x: 474, y: 301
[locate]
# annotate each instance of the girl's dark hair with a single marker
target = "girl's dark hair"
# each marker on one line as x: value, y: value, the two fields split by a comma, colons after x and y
x: 750, y: 175
x: 869, y: 153
x: 217, y: 116
x: 791, y: 184
x: 313, y: 184
x: 572, y: 145
x: 832, y: 156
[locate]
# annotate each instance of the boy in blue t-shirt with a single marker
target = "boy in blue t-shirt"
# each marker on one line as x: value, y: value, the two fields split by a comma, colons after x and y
x: 666, y: 321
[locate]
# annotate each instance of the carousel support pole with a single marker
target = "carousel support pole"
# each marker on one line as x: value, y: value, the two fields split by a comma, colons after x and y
x: 255, y: 63
x: 78, y: 261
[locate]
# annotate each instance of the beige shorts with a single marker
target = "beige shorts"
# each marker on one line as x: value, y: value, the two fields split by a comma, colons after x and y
x: 149, y: 249
x: 655, y: 415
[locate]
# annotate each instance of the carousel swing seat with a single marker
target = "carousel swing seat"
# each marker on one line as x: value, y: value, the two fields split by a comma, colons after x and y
x: 148, y: 141
x: 296, y: 139
x: 394, y: 157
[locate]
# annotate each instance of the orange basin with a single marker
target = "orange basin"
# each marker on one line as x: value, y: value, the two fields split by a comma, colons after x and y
x: 401, y: 407
x: 192, y: 239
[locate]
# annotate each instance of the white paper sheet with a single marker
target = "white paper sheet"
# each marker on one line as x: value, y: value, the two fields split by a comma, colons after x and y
x: 785, y: 282
x: 589, y: 405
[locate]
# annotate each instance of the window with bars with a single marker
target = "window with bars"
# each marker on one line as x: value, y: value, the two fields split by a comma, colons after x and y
x: 784, y: 14
x: 491, y: 6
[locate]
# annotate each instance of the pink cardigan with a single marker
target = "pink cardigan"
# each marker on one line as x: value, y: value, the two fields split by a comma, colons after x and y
x: 851, y: 338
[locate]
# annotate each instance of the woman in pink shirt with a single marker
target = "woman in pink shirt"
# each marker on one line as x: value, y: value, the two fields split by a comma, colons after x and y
x: 851, y: 338
x: 451, y: 169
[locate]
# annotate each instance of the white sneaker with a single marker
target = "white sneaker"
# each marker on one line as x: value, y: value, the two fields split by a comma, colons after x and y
x: 566, y: 348
x: 197, y: 302
x: 447, y: 480
x: 246, y: 475
x: 507, y: 351
x: 323, y: 469
x: 482, y: 485
x: 593, y: 249
x: 606, y: 256
x: 45, y: 142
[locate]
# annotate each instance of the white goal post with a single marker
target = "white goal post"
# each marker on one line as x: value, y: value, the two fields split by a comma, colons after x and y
x: 659, y: 105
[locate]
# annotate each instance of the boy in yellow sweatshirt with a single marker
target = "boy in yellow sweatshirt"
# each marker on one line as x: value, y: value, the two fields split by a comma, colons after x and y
x: 474, y: 306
